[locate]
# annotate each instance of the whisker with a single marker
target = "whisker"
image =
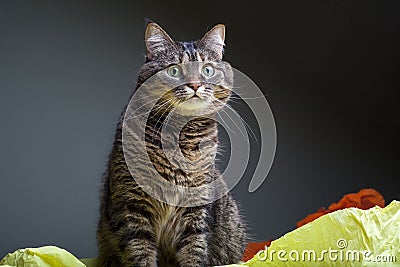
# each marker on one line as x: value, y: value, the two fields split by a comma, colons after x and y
x: 239, y: 87
x: 157, y: 129
x: 255, y: 97
x: 133, y: 112
x: 133, y: 117
x: 160, y: 106
x: 234, y: 101
x: 224, y: 121
x: 144, y: 97
x: 244, y: 136
x: 245, y: 123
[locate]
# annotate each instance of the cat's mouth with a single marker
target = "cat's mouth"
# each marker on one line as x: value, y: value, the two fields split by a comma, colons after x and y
x: 192, y: 92
x: 194, y: 103
x: 195, y: 99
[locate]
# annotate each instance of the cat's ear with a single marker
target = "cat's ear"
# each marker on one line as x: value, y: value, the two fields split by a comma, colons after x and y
x: 157, y: 40
x: 214, y: 39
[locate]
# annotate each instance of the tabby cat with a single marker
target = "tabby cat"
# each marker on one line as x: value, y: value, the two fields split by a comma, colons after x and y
x: 136, y: 229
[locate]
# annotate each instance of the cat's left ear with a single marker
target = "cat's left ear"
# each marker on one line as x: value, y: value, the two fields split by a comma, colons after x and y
x: 214, y: 39
x: 157, y: 40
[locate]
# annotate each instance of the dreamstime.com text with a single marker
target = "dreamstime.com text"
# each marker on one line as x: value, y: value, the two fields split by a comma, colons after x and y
x: 339, y: 254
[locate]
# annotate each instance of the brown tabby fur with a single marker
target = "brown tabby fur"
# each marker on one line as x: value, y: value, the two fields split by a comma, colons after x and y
x: 137, y: 230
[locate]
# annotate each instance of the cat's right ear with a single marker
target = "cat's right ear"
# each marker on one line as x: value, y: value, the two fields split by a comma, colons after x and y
x: 157, y: 40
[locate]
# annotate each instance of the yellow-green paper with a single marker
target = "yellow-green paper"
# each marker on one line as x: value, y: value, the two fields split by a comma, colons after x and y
x: 350, y: 233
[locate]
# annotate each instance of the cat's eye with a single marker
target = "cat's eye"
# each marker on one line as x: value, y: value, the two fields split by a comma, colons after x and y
x: 208, y: 70
x: 175, y: 71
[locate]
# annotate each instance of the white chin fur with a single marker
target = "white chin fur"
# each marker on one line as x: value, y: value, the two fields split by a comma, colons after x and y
x: 193, y: 106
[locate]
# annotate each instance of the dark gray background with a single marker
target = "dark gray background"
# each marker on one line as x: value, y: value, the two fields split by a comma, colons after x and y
x: 330, y: 69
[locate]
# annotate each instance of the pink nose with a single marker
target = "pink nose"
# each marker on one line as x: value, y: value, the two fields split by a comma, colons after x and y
x: 194, y: 86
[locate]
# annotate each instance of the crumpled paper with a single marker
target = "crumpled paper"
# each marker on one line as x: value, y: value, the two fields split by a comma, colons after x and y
x: 348, y: 237
x: 48, y: 256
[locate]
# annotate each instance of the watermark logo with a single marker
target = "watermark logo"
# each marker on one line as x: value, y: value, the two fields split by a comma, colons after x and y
x: 339, y: 254
x: 341, y: 243
x: 168, y: 101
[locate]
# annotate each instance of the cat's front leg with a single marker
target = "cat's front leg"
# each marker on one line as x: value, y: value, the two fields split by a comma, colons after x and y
x: 137, y: 245
x: 192, y: 245
x: 139, y: 253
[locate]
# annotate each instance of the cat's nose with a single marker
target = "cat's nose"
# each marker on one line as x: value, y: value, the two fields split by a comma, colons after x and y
x: 194, y: 86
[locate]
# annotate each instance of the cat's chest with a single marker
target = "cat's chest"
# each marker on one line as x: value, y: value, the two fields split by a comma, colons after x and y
x: 167, y: 225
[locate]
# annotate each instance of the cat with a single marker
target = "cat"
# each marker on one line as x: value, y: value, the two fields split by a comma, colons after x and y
x: 137, y: 229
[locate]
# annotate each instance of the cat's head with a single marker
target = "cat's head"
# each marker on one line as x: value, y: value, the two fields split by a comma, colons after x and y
x: 192, y: 77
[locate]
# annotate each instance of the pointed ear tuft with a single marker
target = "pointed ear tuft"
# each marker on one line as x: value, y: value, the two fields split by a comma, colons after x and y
x: 147, y: 21
x: 157, y: 40
x: 214, y: 39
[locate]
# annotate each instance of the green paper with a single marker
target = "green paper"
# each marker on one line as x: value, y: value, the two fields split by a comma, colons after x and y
x: 48, y: 256
x: 348, y: 237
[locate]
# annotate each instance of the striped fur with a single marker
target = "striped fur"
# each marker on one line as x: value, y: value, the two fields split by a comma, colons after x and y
x: 136, y: 229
